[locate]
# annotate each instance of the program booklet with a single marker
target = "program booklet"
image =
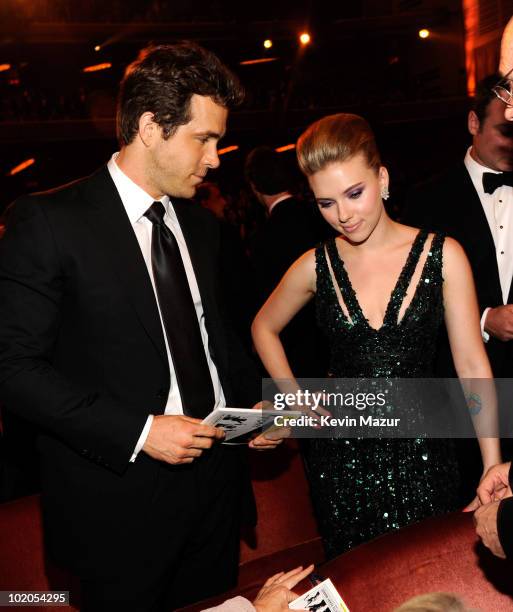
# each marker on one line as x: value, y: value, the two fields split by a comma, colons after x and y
x: 323, y: 597
x: 238, y: 422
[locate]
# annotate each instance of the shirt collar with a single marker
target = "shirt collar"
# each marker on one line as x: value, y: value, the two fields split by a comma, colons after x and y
x: 280, y: 199
x: 476, y: 170
x: 135, y: 200
x: 474, y: 166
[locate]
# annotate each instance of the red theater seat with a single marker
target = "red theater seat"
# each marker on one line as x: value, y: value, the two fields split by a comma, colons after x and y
x: 439, y: 554
x: 285, y: 515
x: 285, y: 535
x: 22, y: 563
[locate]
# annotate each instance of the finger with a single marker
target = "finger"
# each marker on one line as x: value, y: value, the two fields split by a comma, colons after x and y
x: 261, y: 446
x: 295, y: 576
x: 261, y: 443
x: 185, y: 453
x: 485, y: 492
x: 474, y: 505
x: 262, y: 440
x: 282, y: 432
x: 200, y: 443
x: 273, y: 579
x: 177, y: 461
x: 323, y: 411
x: 206, y: 431
x: 500, y: 494
x: 292, y: 572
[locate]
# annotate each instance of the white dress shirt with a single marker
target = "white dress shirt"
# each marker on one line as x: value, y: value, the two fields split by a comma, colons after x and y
x: 136, y: 202
x: 285, y: 196
x: 498, y: 208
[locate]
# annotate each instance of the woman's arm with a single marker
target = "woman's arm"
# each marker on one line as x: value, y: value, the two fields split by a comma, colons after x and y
x: 469, y: 355
x: 296, y: 288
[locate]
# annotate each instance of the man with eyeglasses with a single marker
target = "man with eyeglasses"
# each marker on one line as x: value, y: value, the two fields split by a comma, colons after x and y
x: 494, y: 518
x: 473, y: 203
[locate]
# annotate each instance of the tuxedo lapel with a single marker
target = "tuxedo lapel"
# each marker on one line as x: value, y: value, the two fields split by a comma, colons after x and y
x: 475, y: 223
x: 476, y: 236
x: 122, y: 253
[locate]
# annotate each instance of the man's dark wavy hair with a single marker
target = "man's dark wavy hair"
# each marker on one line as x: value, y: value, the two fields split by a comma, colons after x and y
x: 162, y: 81
x: 484, y: 95
x: 265, y: 169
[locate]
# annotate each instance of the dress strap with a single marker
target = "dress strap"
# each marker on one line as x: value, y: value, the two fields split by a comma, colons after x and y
x: 404, y: 280
x: 343, y: 282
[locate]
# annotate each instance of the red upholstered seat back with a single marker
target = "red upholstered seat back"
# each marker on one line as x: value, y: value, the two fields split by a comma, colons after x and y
x: 286, y: 530
x: 22, y: 563
x: 439, y: 554
x: 285, y: 515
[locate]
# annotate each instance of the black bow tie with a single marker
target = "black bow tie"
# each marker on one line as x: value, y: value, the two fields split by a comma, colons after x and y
x: 492, y: 180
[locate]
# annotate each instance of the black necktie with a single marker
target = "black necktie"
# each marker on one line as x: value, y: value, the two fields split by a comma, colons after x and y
x: 492, y: 180
x: 180, y: 319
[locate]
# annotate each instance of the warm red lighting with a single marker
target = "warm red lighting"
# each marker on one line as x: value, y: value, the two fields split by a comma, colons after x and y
x: 227, y: 149
x: 305, y: 38
x: 4, y: 67
x: 262, y: 60
x: 97, y: 67
x: 288, y: 147
x: 471, y: 19
x: 22, y: 166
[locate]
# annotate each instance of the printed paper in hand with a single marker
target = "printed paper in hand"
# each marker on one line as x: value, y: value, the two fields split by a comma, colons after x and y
x: 323, y: 597
x: 239, y: 421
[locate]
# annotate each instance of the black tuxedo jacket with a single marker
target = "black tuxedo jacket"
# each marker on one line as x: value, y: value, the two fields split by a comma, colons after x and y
x: 82, y: 355
x: 450, y: 204
x: 289, y: 232
x: 291, y: 229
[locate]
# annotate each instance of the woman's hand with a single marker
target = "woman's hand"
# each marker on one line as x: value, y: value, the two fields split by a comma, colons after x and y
x: 276, y: 594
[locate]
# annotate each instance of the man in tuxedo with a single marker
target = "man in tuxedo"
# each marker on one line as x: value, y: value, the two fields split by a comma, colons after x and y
x: 290, y: 230
x: 114, y: 342
x: 473, y: 203
x: 494, y: 518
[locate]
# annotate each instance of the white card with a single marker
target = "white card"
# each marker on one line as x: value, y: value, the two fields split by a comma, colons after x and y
x: 323, y: 597
x: 239, y: 421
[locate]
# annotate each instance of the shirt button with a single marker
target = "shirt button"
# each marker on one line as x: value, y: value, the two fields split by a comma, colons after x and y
x: 501, y: 226
x: 502, y: 252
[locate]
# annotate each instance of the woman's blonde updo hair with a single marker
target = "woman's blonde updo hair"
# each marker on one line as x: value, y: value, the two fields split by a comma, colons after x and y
x: 336, y: 138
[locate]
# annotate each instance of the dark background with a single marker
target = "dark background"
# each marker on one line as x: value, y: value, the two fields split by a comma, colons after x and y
x: 365, y: 57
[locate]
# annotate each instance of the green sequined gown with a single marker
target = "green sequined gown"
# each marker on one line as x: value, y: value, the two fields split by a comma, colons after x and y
x: 362, y: 488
